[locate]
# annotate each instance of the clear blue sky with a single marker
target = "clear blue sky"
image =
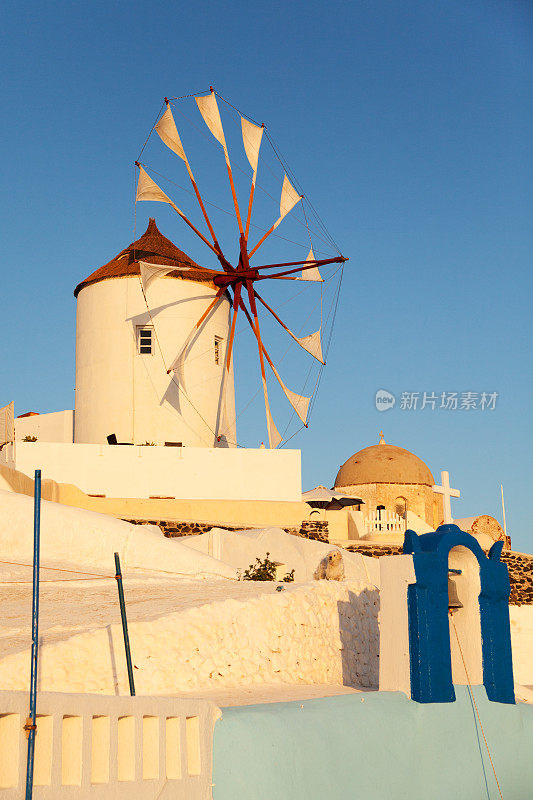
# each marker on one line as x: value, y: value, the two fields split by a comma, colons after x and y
x: 410, y: 126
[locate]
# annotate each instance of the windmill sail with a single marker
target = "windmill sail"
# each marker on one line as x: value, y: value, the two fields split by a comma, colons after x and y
x: 208, y: 108
x: 178, y: 365
x: 313, y: 273
x: 297, y: 401
x: 166, y: 128
x: 274, y: 436
x: 289, y: 198
x: 149, y: 272
x: 312, y: 344
x: 147, y: 189
x: 234, y: 277
x: 251, y: 137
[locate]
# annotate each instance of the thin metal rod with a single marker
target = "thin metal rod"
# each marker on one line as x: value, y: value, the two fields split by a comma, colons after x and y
x: 30, y: 726
x: 503, y: 511
x: 118, y: 576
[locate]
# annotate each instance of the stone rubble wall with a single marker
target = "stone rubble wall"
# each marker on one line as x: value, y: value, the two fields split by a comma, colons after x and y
x: 520, y: 567
x: 310, y: 529
x: 319, y: 632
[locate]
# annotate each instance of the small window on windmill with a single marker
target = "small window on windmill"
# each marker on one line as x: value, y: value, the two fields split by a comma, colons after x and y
x: 218, y: 341
x: 144, y: 340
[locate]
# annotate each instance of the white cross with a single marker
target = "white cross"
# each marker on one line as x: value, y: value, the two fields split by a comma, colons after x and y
x: 447, y: 494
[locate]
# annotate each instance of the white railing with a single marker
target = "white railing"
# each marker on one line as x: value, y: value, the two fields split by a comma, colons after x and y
x: 384, y: 522
x: 108, y: 747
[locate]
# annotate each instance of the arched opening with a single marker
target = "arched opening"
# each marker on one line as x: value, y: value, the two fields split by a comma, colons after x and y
x: 400, y: 507
x: 465, y: 620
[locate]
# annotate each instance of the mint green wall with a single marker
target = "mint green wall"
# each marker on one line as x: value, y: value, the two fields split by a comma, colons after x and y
x: 385, y: 748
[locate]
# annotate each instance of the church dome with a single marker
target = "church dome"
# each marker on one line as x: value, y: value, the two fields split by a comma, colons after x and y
x: 153, y: 248
x: 383, y: 463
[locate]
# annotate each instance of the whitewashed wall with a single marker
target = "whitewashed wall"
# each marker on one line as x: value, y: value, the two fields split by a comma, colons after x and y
x: 58, y: 426
x: 121, y: 391
x: 193, y: 473
x: 522, y: 640
x: 320, y: 632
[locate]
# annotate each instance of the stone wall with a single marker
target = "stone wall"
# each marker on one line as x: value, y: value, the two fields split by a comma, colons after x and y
x: 171, y: 527
x: 318, y: 530
x: 520, y: 568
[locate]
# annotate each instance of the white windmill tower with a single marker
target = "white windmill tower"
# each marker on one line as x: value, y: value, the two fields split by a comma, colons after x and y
x: 128, y: 329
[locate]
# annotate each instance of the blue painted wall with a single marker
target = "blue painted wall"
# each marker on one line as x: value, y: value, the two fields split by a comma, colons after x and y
x: 385, y: 748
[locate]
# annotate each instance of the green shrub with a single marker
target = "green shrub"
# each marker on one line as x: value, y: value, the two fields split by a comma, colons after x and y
x: 265, y: 570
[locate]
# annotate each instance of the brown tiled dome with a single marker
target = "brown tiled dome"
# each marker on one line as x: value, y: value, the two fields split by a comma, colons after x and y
x: 384, y: 463
x: 154, y: 248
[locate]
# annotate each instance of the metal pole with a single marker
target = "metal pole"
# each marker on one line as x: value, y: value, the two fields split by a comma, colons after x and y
x: 503, y: 511
x: 30, y: 726
x: 118, y: 576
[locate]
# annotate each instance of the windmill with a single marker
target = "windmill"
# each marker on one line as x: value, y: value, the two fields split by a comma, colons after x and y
x: 243, y: 279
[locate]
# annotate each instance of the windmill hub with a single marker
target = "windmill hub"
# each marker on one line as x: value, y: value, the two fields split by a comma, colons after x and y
x: 232, y: 278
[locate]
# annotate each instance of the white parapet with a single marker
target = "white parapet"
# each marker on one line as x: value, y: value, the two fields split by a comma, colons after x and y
x: 57, y: 426
x: 108, y: 747
x: 187, y: 473
x: 397, y: 572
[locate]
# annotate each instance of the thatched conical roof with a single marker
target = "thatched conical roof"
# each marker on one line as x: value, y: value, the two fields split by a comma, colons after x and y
x: 154, y: 248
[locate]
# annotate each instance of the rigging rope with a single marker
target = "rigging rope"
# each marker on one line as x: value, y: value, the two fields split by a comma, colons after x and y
x: 472, y: 698
x: 321, y: 369
x: 95, y: 576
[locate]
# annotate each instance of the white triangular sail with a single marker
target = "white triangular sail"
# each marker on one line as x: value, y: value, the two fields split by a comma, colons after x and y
x: 149, y: 272
x: 147, y: 189
x: 166, y: 128
x: 274, y: 436
x: 297, y: 401
x: 178, y: 365
x: 312, y: 274
x: 208, y: 108
x: 289, y: 198
x: 312, y: 344
x: 251, y: 137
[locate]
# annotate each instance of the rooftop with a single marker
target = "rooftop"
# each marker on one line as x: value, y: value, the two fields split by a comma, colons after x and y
x: 153, y: 248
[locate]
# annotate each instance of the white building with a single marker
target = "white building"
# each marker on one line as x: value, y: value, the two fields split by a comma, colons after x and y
x: 125, y: 342
x: 129, y: 331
